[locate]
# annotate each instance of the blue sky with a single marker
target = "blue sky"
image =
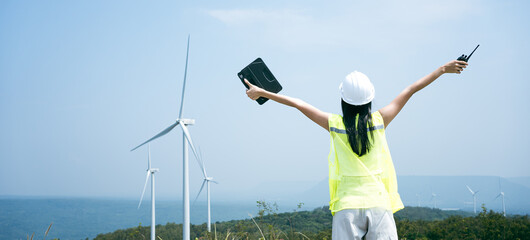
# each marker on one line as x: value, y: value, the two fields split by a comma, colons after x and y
x: 83, y: 82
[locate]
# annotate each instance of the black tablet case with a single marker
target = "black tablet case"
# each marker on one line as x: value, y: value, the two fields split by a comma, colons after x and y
x: 257, y: 73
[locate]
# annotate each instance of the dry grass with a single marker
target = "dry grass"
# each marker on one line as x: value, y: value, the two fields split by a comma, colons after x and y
x: 45, y: 233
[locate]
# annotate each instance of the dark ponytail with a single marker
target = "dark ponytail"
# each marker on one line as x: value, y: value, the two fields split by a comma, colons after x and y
x: 358, y: 135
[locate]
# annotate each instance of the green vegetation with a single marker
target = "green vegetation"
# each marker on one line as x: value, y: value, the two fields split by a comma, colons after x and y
x: 412, y: 223
x: 428, y: 214
x: 486, y: 225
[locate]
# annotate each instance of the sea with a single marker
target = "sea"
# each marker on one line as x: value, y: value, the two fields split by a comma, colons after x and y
x: 82, y: 218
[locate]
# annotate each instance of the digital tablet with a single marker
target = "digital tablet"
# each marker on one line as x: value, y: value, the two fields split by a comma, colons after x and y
x: 257, y: 73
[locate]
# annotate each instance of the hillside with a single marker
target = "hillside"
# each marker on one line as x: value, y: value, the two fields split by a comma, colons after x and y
x: 451, y: 192
x: 412, y: 223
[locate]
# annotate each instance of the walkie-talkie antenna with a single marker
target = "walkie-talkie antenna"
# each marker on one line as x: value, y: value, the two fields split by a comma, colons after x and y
x: 472, y: 53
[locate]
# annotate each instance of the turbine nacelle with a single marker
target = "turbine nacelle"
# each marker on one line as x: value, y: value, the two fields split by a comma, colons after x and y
x: 210, y: 179
x: 186, y: 121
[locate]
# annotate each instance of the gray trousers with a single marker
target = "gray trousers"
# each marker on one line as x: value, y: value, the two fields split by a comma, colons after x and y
x: 371, y: 223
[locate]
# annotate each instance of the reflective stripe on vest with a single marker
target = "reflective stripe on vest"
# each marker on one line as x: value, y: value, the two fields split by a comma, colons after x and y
x: 361, y: 182
x: 343, y: 131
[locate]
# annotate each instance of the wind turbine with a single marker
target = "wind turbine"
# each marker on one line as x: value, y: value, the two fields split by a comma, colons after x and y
x: 186, y: 139
x: 150, y: 172
x: 501, y: 194
x: 206, y: 181
x: 418, y: 197
x: 474, y: 199
x: 433, y: 197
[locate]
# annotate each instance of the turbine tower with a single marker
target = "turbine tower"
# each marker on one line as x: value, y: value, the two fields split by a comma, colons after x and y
x: 150, y: 172
x: 206, y: 181
x: 186, y: 139
x: 474, y: 199
x: 501, y: 194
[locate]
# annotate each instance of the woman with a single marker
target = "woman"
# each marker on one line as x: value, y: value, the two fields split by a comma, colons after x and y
x: 362, y: 179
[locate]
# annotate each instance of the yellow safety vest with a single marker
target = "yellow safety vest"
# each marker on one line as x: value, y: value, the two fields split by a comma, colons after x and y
x: 361, y: 182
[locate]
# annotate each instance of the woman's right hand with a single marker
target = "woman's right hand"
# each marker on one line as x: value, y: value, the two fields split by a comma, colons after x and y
x: 454, y: 66
x: 253, y: 92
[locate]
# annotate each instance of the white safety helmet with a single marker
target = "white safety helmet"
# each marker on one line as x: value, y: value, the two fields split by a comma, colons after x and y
x: 356, y: 89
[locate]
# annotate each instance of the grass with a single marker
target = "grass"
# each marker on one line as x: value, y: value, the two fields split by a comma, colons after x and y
x: 45, y: 233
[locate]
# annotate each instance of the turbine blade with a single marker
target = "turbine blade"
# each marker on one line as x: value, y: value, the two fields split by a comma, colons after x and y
x: 148, y: 157
x: 185, y: 73
x: 202, y: 186
x: 215, y: 182
x: 145, y: 185
x: 468, y: 188
x: 188, y: 137
x: 202, y: 161
x: 497, y: 196
x: 164, y: 132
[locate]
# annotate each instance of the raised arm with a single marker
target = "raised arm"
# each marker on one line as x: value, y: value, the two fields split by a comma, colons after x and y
x: 313, y: 113
x: 390, y: 111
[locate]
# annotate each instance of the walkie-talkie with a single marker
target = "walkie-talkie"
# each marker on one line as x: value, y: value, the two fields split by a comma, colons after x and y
x: 465, y: 58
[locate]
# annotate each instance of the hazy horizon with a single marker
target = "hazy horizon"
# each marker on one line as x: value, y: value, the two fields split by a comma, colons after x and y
x: 314, y: 194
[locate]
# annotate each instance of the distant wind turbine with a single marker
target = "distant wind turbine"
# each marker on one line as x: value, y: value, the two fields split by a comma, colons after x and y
x: 501, y: 194
x: 474, y: 198
x: 150, y: 172
x: 433, y: 197
x: 186, y: 139
x: 206, y: 181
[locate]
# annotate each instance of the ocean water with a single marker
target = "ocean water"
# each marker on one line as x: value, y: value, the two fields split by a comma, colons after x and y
x: 77, y: 218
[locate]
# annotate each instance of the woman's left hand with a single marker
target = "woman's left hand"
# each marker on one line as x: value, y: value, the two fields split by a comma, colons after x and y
x: 253, y: 92
x: 454, y: 66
